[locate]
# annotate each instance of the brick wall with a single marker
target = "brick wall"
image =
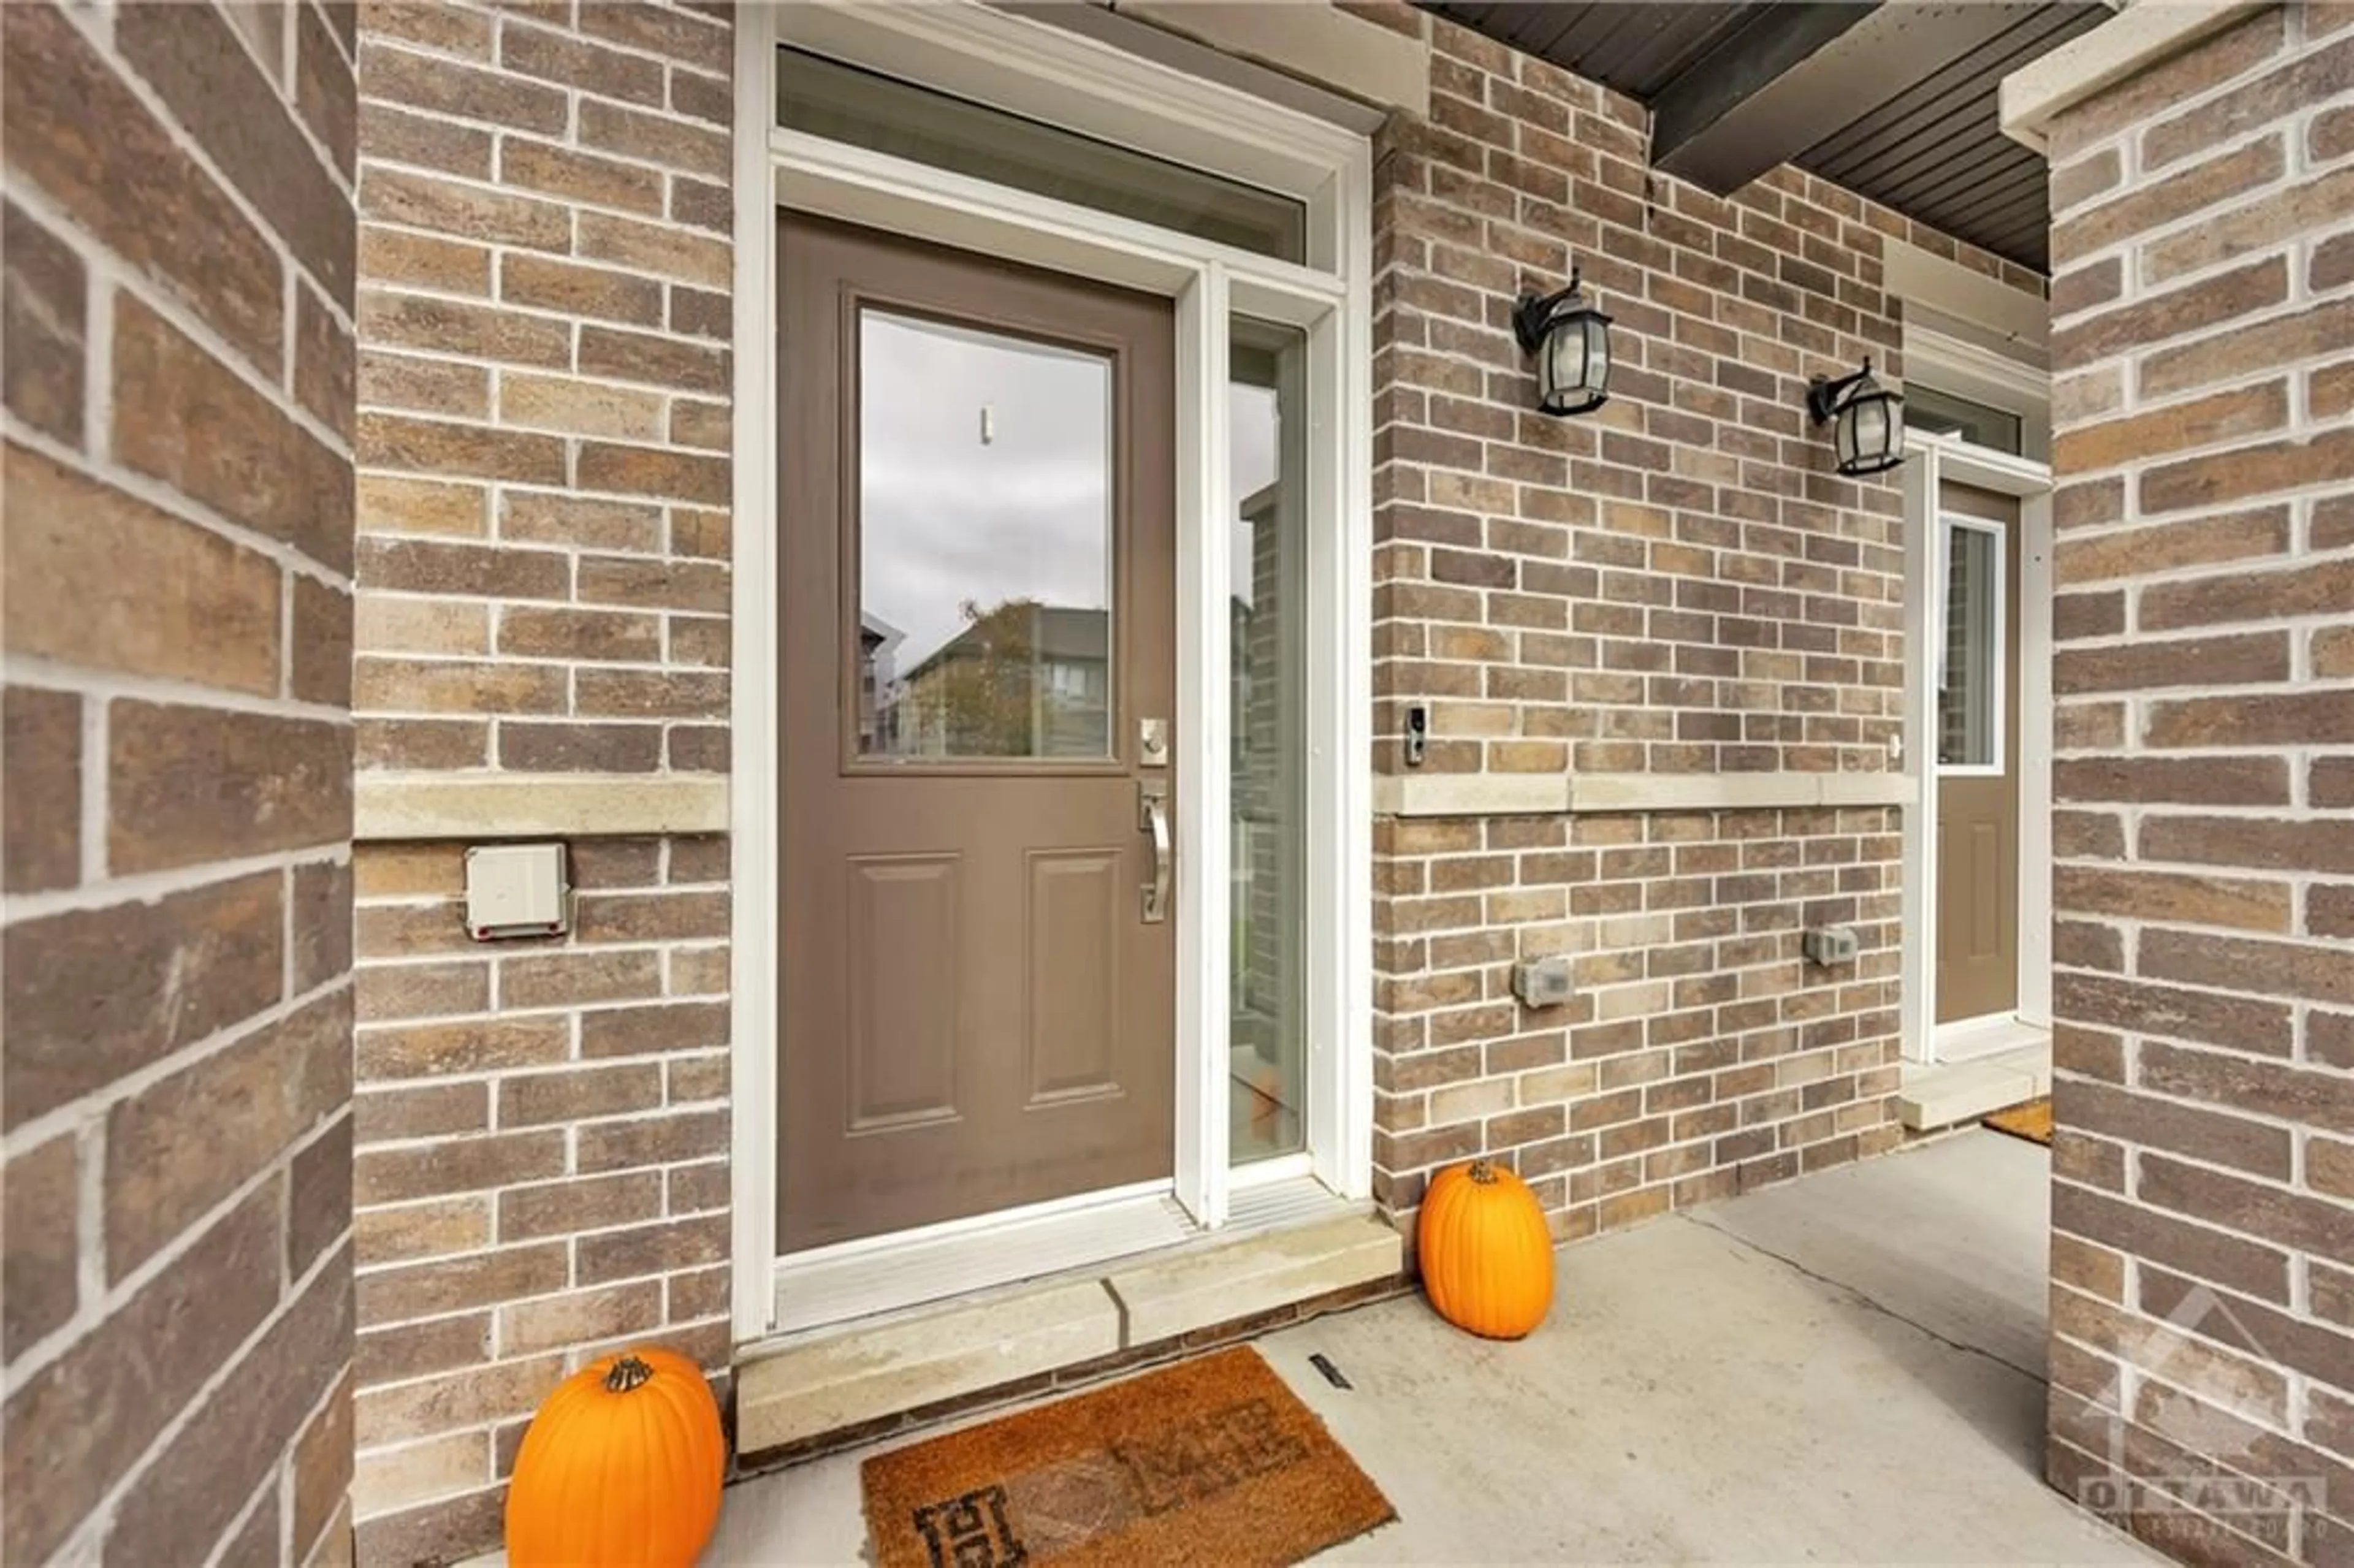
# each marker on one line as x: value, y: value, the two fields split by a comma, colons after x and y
x: 1678, y: 584
x: 178, y: 367
x: 542, y: 1176
x: 544, y: 324
x: 2202, y: 1359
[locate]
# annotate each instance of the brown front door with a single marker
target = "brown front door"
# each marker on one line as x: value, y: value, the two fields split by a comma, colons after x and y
x: 977, y: 525
x: 1977, y: 757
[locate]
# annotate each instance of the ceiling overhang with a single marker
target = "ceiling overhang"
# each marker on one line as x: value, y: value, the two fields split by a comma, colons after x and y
x: 1896, y: 99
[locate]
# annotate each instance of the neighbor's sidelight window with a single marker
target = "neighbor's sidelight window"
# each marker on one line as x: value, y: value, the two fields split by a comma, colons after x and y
x: 843, y: 104
x: 1268, y: 459
x: 1970, y: 680
x: 984, y: 544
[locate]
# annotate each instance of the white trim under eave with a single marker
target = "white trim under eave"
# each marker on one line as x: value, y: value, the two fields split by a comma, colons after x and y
x: 1319, y: 43
x: 1926, y: 282
x: 2125, y: 45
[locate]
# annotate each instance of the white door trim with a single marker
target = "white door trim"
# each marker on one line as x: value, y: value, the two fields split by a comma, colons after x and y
x: 2035, y: 588
x: 754, y: 797
x: 1930, y: 462
x: 1032, y: 68
x: 1204, y: 736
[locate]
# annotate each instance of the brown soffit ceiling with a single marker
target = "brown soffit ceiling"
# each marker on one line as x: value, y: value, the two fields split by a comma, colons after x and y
x: 1896, y: 102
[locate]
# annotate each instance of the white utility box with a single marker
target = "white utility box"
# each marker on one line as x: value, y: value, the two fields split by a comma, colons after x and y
x: 516, y: 890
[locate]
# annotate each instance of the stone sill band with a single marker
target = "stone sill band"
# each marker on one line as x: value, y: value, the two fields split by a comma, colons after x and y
x: 1555, y: 794
x: 397, y: 807
x: 407, y: 806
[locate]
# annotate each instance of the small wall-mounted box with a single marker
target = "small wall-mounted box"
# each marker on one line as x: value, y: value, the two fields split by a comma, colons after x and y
x: 516, y: 890
x: 1830, y: 944
x: 1544, y: 982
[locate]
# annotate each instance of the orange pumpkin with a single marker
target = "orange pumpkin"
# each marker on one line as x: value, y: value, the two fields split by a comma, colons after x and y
x: 1486, y: 1254
x: 620, y: 1468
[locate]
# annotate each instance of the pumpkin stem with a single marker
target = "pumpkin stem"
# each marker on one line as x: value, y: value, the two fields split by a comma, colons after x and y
x: 1482, y: 1173
x: 628, y: 1372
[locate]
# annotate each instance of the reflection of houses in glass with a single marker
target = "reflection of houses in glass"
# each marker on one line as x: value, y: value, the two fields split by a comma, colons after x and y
x: 1258, y: 626
x: 878, y: 646
x: 1023, y: 679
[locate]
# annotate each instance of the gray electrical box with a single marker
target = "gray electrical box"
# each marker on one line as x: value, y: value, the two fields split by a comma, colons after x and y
x: 1830, y: 944
x: 516, y: 890
x: 1543, y: 983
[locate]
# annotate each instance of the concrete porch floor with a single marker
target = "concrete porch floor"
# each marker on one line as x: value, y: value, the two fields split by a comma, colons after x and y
x: 1845, y: 1369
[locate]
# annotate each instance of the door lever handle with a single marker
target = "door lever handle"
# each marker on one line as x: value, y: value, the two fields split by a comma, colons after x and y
x: 1153, y: 818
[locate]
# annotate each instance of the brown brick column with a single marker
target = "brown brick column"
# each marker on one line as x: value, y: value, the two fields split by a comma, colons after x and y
x: 2202, y: 1303
x: 545, y: 322
x: 176, y: 1073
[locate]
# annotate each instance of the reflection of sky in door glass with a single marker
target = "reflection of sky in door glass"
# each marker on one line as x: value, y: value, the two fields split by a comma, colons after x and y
x: 948, y: 518
x: 1251, y: 459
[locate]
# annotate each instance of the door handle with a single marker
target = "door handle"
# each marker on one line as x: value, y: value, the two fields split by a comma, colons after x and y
x: 1153, y: 818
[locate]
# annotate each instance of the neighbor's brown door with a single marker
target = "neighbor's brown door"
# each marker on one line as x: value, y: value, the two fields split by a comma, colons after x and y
x: 977, y: 525
x: 1977, y: 758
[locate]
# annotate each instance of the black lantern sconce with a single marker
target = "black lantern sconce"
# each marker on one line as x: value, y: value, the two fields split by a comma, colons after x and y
x: 1867, y: 420
x: 1569, y: 338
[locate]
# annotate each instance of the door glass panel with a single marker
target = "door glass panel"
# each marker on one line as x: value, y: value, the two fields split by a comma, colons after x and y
x: 1268, y: 452
x: 985, y: 544
x: 1972, y: 671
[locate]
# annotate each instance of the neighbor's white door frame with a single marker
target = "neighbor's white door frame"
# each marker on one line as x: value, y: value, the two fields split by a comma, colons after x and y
x: 1046, y: 73
x: 1930, y: 463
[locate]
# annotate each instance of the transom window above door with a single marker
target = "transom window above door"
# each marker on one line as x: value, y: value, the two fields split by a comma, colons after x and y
x: 865, y: 109
x: 1944, y: 414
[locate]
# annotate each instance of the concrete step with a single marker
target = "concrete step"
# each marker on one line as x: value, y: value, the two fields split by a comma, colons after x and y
x: 829, y: 1380
x: 1197, y: 1287
x: 1948, y: 1094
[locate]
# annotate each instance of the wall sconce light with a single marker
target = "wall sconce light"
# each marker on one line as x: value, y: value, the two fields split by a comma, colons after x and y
x: 1867, y: 420
x: 1570, y: 340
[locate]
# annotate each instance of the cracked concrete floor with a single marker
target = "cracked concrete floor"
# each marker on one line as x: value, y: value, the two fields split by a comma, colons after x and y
x: 1846, y: 1369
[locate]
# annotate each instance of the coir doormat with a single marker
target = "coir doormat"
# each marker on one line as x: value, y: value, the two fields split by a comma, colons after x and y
x: 2031, y: 1121
x: 1210, y: 1462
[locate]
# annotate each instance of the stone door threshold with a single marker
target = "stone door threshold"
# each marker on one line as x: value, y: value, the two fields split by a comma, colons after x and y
x: 827, y: 1389
x: 1947, y: 1094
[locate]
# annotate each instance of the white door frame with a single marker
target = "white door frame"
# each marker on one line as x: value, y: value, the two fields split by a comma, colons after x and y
x: 1032, y: 67
x: 1930, y: 462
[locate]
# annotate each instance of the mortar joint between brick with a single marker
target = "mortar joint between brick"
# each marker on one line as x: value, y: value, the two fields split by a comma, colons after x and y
x: 165, y: 120
x: 157, y: 493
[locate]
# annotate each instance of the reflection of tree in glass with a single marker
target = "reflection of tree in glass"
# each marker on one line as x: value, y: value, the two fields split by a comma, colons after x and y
x: 1022, y: 679
x: 987, y: 680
